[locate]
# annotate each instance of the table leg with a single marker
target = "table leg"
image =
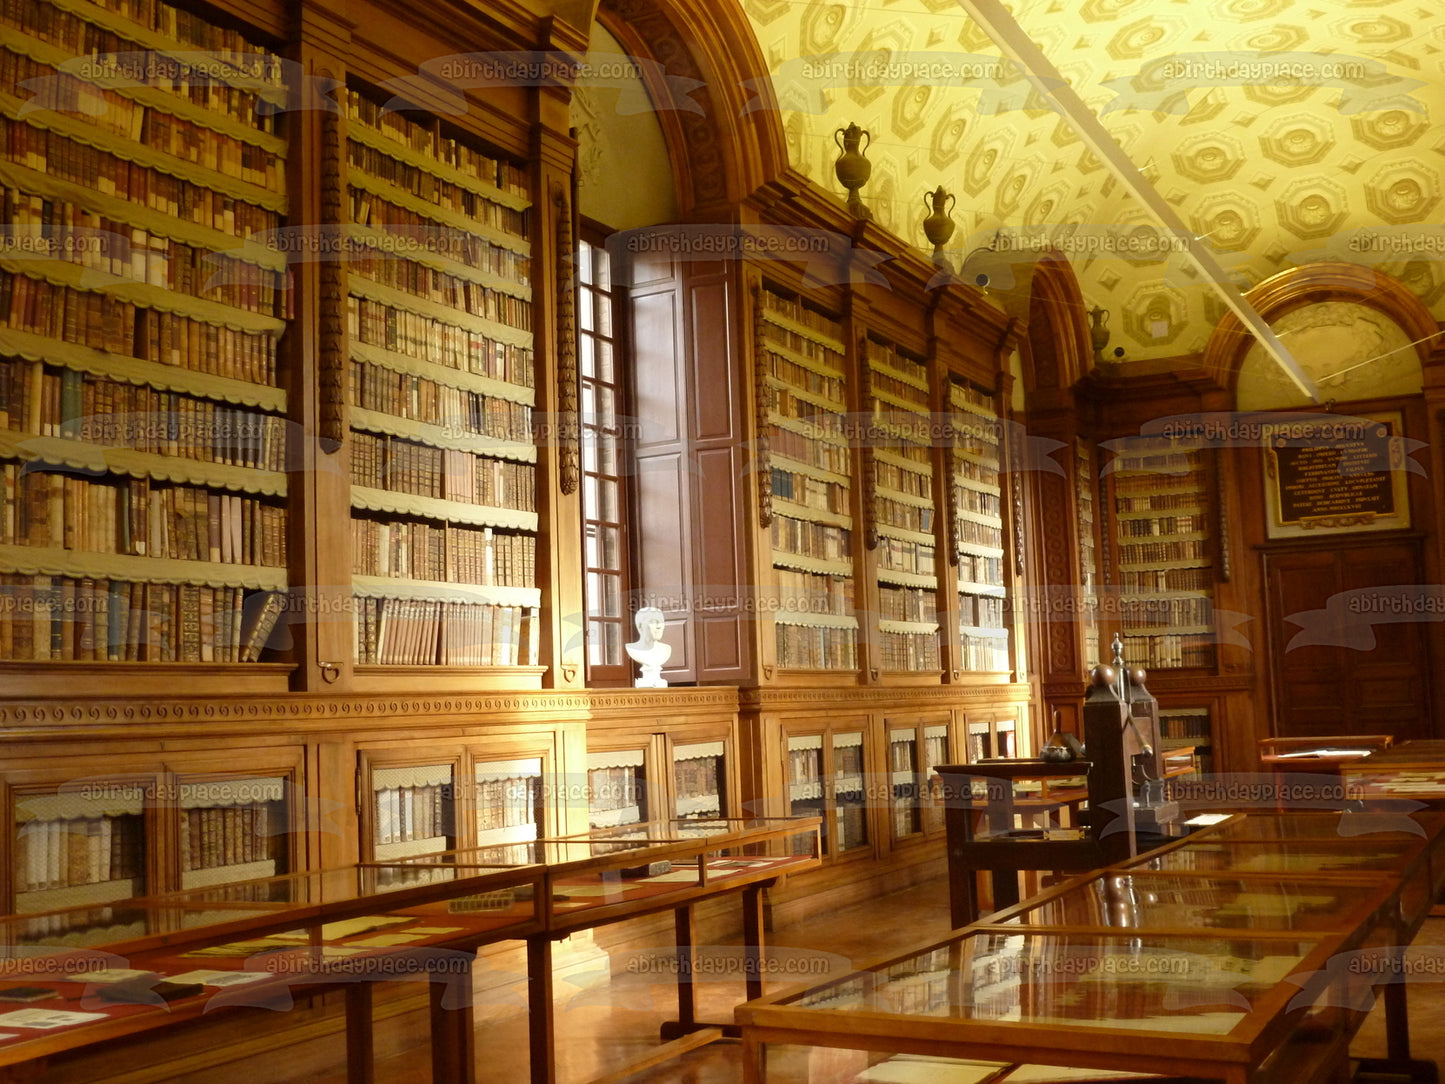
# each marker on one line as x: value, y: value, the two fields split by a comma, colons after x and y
x: 453, y: 1055
x: 753, y: 939
x: 686, y: 962
x: 539, y: 1004
x: 360, y: 1062
x: 753, y: 1072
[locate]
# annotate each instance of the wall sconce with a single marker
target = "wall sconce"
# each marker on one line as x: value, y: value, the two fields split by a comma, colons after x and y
x: 852, y: 168
x: 939, y: 225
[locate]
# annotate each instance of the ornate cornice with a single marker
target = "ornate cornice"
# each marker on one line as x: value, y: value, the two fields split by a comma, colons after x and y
x: 152, y: 716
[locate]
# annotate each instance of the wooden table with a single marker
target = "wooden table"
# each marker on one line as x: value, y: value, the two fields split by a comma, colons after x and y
x: 309, y: 932
x: 1226, y: 956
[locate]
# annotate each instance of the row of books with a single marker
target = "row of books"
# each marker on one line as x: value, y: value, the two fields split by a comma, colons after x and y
x: 815, y: 453
x: 437, y: 342
x: 810, y: 492
x: 1188, y: 500
x: 79, y: 406
x: 1166, y: 610
x: 103, y: 322
x: 900, y: 479
x: 978, y: 502
x: 181, y: 26
x: 909, y: 517
x: 1185, y: 723
x: 508, y: 803
x: 801, y: 647
x: 109, y: 174
x: 1162, y: 525
x: 908, y: 651
x: 418, y: 632
x: 804, y: 378
x: 49, y: 229
x: 402, y: 466
x: 896, y: 555
x: 1167, y: 650
x: 113, y: 112
x: 1168, y: 579
x: 230, y: 835
x: 824, y: 356
x: 984, y: 653
x: 968, y: 395
x: 980, y: 534
x: 81, y: 851
x: 450, y: 554
x: 820, y: 418
x: 42, y: 21
x: 404, y: 814
x: 799, y: 313
x: 897, y: 389
x: 459, y: 411
x: 697, y: 779
x: 1172, y: 475
x: 1143, y: 553
x: 878, y: 353
x: 426, y: 139
x: 907, y: 604
x: 430, y: 188
x: 852, y: 817
x: 807, y: 539
x: 813, y: 592
x: 981, y: 611
x: 61, y: 618
x: 139, y: 516
x: 805, y: 766
x: 975, y: 569
x: 432, y: 284
x: 983, y: 473
x: 369, y: 209
x: 620, y: 786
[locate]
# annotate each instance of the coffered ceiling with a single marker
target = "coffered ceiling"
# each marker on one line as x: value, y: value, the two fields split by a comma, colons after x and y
x: 1282, y: 131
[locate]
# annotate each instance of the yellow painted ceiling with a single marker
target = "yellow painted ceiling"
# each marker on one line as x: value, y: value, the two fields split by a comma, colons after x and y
x: 1286, y: 131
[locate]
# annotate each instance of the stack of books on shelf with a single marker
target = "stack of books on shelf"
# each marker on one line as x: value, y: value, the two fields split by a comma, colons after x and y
x: 57, y: 856
x: 142, y: 417
x: 1164, y: 536
x: 698, y: 782
x: 978, y: 536
x: 903, y: 766
x: 811, y: 466
x: 442, y: 390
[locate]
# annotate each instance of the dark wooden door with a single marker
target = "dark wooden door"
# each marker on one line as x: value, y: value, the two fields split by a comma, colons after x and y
x: 1334, y: 669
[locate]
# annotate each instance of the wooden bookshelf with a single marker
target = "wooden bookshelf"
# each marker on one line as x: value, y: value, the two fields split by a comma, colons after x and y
x: 977, y: 458
x: 900, y: 448
x: 826, y: 775
x: 1190, y: 728
x: 1163, y: 538
x: 444, y: 523
x: 812, y: 531
x: 142, y: 404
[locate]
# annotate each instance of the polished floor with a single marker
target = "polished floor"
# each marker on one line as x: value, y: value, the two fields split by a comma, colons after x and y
x: 603, y: 1027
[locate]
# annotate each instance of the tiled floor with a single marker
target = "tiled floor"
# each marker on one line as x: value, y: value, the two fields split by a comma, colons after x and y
x: 603, y: 1028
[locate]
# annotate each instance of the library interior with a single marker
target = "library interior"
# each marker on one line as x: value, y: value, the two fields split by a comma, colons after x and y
x: 821, y: 542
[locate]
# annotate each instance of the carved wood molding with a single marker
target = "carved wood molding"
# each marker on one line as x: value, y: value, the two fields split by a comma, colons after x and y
x: 763, y: 405
x: 333, y: 351
x: 57, y: 717
x: 568, y: 432
x: 869, y: 460
x: 1221, y: 521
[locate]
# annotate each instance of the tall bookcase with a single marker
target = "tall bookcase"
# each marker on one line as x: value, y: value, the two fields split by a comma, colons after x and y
x: 976, y: 460
x: 444, y: 521
x: 805, y: 388
x: 899, y: 447
x: 1163, y: 537
x: 142, y: 411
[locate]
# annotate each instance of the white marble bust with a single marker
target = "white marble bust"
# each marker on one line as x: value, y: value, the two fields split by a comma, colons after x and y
x: 648, y: 650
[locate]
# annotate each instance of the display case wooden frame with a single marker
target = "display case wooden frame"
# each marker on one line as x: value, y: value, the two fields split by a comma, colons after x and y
x: 154, y: 786
x: 847, y: 762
